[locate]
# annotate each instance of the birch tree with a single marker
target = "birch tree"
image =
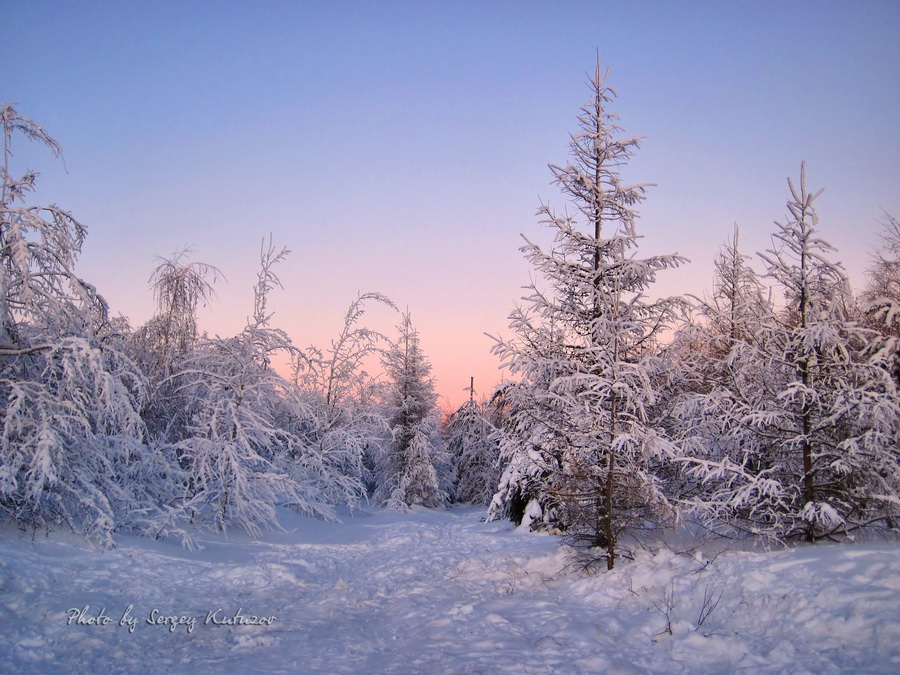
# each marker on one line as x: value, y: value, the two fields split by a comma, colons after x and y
x: 71, y: 441
x: 164, y: 344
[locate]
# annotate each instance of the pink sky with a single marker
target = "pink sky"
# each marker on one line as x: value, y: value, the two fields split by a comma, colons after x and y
x: 402, y: 147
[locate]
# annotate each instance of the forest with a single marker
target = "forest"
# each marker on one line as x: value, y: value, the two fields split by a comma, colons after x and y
x: 767, y: 408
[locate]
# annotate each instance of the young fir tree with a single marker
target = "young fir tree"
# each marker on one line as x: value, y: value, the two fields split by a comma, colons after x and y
x: 579, y: 446
x: 882, y: 297
x: 800, y: 441
x: 474, y: 452
x: 740, y: 304
x: 702, y: 357
x: 414, y: 468
x: 703, y: 349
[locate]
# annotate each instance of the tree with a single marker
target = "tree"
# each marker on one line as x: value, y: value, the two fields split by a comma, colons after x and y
x: 167, y: 341
x: 413, y: 469
x: 585, y: 353
x: 179, y: 288
x: 704, y: 359
x: 39, y: 245
x: 702, y: 350
x: 71, y: 442
x: 343, y: 425
x: 803, y: 438
x: 740, y: 304
x: 237, y: 447
x: 472, y: 445
x: 882, y: 297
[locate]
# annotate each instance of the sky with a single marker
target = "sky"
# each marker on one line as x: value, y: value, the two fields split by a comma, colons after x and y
x: 402, y: 147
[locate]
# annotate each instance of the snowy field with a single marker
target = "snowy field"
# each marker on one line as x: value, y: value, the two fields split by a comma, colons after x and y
x: 438, y: 592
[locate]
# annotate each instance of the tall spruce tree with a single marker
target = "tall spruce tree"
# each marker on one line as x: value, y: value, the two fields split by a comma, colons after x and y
x: 578, y: 446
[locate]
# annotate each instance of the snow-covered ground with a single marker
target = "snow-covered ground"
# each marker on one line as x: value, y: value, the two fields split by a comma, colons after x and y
x: 438, y: 592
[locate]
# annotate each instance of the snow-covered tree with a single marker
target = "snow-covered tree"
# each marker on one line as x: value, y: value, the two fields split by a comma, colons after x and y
x: 734, y: 313
x: 413, y: 467
x: 579, y: 446
x: 71, y: 442
x: 39, y: 245
x: 472, y: 445
x: 238, y: 450
x: 344, y: 426
x: 800, y: 441
x: 882, y: 296
x: 740, y: 303
x: 179, y: 289
x: 167, y: 340
x: 702, y: 355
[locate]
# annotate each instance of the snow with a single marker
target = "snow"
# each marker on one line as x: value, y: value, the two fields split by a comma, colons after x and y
x: 438, y: 592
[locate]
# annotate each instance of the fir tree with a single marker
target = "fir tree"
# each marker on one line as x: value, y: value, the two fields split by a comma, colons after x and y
x: 474, y: 452
x: 414, y: 468
x: 585, y: 352
x: 800, y: 441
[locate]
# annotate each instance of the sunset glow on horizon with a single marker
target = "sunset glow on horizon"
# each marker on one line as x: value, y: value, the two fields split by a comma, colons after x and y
x: 402, y: 147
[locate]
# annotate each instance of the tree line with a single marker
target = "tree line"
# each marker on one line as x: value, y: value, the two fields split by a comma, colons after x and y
x: 160, y: 428
x: 772, y: 412
x: 767, y: 408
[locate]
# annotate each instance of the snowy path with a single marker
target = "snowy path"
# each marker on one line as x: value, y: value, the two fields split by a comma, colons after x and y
x: 439, y: 592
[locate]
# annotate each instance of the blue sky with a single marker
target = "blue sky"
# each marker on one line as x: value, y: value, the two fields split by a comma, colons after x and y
x: 402, y: 147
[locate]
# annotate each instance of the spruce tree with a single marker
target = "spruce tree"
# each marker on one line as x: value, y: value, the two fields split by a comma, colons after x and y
x: 579, y: 446
x: 474, y: 452
x: 414, y: 468
x: 800, y: 439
